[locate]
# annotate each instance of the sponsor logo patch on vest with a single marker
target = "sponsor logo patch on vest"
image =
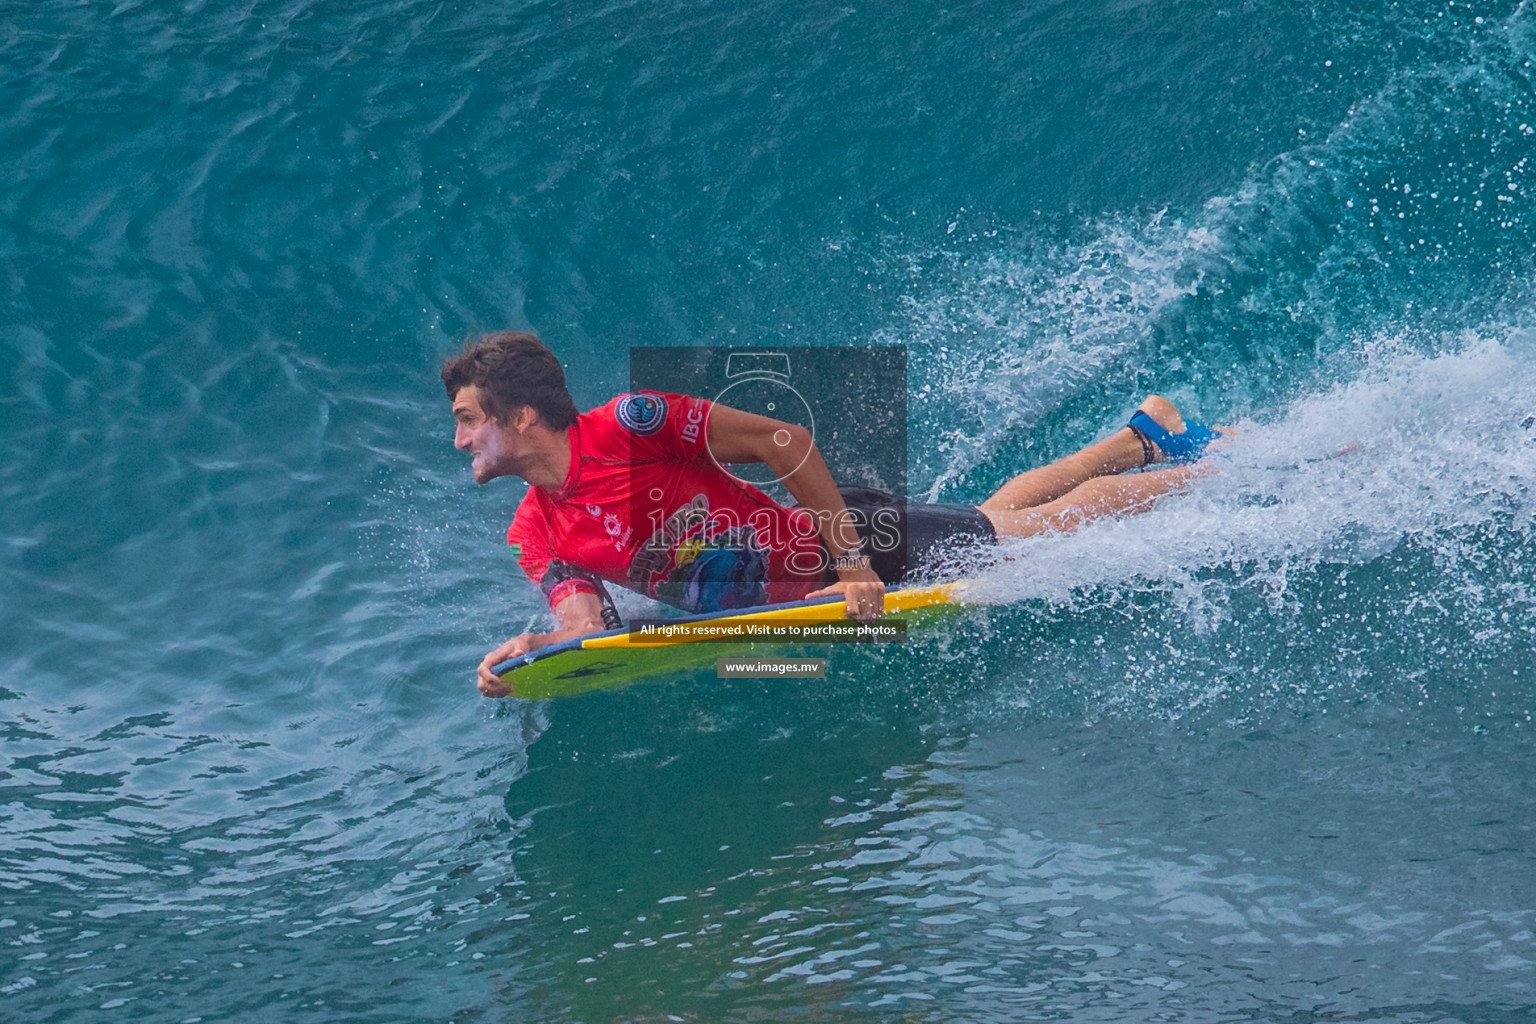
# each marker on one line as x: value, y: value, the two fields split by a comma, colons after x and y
x: 641, y: 414
x: 691, y: 428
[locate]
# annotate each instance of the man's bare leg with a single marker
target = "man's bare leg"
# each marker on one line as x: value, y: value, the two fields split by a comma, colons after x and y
x: 1093, y: 499
x: 1119, y: 452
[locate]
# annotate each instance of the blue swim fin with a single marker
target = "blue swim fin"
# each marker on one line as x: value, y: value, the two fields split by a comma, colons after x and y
x: 1179, y: 448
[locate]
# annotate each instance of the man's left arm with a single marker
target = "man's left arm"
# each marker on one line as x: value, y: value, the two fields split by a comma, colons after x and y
x: 791, y: 453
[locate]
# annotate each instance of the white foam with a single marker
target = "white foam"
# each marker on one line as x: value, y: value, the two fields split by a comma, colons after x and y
x: 1441, y: 448
x: 1000, y: 342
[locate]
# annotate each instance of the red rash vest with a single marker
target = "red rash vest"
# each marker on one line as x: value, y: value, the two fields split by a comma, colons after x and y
x: 644, y: 505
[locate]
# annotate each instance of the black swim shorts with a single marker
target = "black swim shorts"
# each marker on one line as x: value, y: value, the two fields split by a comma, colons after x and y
x: 911, y: 540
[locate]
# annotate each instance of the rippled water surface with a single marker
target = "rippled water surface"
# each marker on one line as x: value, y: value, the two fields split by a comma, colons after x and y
x: 1261, y: 754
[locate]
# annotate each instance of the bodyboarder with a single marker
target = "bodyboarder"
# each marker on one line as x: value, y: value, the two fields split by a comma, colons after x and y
x: 636, y: 493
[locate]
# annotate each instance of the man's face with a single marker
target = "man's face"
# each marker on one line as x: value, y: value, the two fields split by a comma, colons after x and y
x: 480, y: 435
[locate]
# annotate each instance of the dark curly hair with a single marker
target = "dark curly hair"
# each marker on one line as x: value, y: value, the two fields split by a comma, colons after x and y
x: 512, y: 370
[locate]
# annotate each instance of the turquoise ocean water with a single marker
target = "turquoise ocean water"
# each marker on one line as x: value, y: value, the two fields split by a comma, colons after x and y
x: 1264, y: 754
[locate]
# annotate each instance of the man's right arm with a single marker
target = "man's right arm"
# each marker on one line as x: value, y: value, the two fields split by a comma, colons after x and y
x: 579, y: 614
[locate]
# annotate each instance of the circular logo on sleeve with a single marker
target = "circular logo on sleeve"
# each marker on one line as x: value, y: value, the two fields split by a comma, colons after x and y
x: 641, y: 414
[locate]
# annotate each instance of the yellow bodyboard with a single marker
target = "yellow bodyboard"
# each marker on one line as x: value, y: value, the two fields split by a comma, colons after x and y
x: 604, y: 661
